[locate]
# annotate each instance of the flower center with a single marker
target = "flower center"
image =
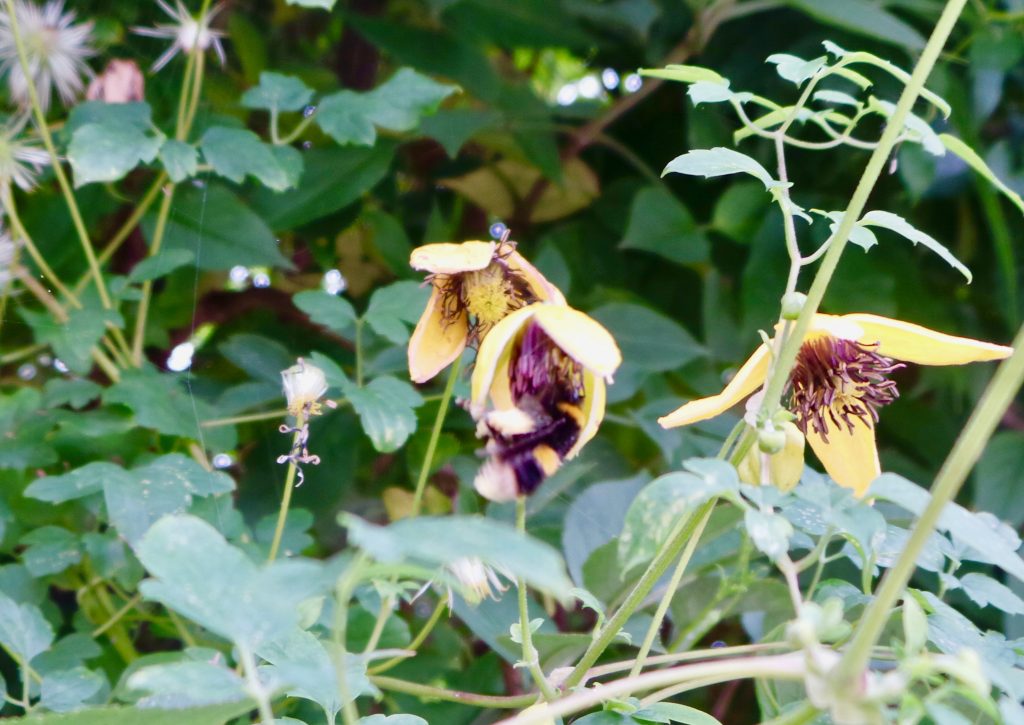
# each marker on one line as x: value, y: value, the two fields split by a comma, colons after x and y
x: 837, y: 381
x: 543, y: 372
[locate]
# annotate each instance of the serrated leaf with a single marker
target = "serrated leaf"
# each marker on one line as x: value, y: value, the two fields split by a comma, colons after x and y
x: 108, y: 148
x: 861, y: 236
x: 718, y: 161
x: 896, y: 223
x: 396, y: 105
x: 385, y: 408
x: 278, y: 92
x: 78, y: 483
x: 708, y: 92
x: 24, y: 630
x: 67, y: 391
x: 236, y: 153
x: 180, y: 160
x: 197, y: 573
x: 333, y: 312
x: 437, y: 541
x: 161, y: 265
x: 898, y: 73
x: 50, y: 550
x: 73, y: 341
x: 986, y: 591
x: 394, y: 308
x: 972, y: 159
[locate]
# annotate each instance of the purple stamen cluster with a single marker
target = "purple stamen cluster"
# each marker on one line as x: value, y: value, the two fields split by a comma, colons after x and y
x: 836, y: 380
x: 541, y: 370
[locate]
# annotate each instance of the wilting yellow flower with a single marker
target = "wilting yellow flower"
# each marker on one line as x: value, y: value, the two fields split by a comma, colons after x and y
x: 304, y: 385
x: 538, y: 394
x: 784, y: 467
x: 474, y: 285
x: 839, y: 382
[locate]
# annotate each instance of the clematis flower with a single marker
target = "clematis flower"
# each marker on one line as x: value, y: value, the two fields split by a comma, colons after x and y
x: 479, y: 581
x: 840, y: 381
x: 186, y: 33
x: 21, y: 161
x: 474, y: 286
x: 538, y: 394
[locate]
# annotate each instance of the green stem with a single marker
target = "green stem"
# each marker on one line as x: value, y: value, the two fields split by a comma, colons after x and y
x: 387, y: 606
x: 683, y: 533
x: 670, y: 591
x: 58, y: 170
x: 347, y: 584
x: 498, y: 702
x: 418, y: 640
x: 968, y: 448
x: 359, y: 352
x: 435, y: 436
x: 255, y: 687
x: 286, y: 498
x: 876, y: 163
x: 147, y: 286
x: 117, y: 616
x: 251, y: 418
x: 801, y: 715
x: 530, y: 658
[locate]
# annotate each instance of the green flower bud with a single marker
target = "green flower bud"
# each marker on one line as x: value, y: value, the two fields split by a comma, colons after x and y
x: 772, y: 440
x: 792, y: 304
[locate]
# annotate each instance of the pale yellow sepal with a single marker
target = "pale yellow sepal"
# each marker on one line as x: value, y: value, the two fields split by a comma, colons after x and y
x: 452, y: 258
x: 495, y: 346
x: 544, y: 290
x: 851, y: 459
x: 435, y: 344
x: 916, y: 344
x: 746, y: 380
x: 583, y: 338
x: 784, y: 468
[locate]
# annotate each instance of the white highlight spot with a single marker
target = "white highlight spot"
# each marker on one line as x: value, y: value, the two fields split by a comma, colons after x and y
x: 632, y: 83
x: 334, y: 282
x: 180, y: 358
x: 567, y: 95
x: 610, y: 78
x: 589, y: 87
x: 222, y: 460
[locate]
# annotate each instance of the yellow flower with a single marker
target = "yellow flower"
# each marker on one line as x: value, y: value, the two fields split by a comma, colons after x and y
x: 474, y: 286
x: 839, y: 382
x: 538, y: 394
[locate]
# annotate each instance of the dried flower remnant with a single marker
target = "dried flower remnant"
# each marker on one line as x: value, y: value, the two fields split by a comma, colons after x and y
x: 477, y: 580
x: 839, y: 383
x: 538, y: 394
x: 474, y: 285
x: 20, y: 161
x: 187, y: 33
x: 304, y: 386
x: 120, y: 82
x: 56, y: 49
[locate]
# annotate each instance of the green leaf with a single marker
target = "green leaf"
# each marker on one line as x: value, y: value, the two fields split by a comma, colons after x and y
x: 861, y: 236
x: 161, y: 265
x: 236, y: 153
x: 187, y: 684
x: 659, y: 223
x: 108, y: 148
x: 660, y: 506
x: 769, y: 532
x: 648, y: 339
x: 120, y: 715
x: 392, y: 720
x: 437, y: 541
x: 159, y: 401
x: 69, y: 689
x: 51, y: 550
x: 674, y: 712
x: 74, y: 340
x: 84, y: 481
x: 685, y: 74
x: 333, y: 179
x: 708, y: 92
x: 200, y: 575
x: 740, y: 210
x: 794, y: 69
x: 385, y: 407
x: 972, y: 159
x: 915, y: 625
x: 1000, y: 477
x: 986, y: 591
x: 454, y: 128
x: 394, y: 307
x: 836, y: 97
x: 277, y: 92
x: 718, y: 161
x: 307, y: 666
x: 261, y: 357
x: 74, y: 392
x: 333, y: 312
x: 896, y: 72
x: 180, y: 160
x: 219, y: 229
x: 24, y: 630
x: 863, y: 17
x: 396, y: 105
x: 895, y: 223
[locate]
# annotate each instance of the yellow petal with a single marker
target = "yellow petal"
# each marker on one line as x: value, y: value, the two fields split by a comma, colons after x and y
x: 544, y: 290
x: 450, y: 258
x: 582, y: 337
x: 495, y: 346
x: 746, y: 380
x: 851, y: 459
x: 916, y: 344
x: 594, y: 393
x: 435, y: 344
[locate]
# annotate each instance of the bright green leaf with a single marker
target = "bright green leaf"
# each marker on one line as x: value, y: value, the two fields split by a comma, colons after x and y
x: 277, y: 92
x: 236, y: 153
x: 161, y: 265
x: 50, y: 550
x: 113, y: 145
x: 333, y: 312
x: 972, y: 159
x: 180, y: 160
x: 69, y: 689
x: 895, y: 223
x: 719, y: 161
x: 385, y: 408
x: 24, y: 630
x: 685, y: 74
x: 394, y: 307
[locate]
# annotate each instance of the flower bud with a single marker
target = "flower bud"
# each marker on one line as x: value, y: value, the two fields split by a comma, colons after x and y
x: 304, y: 385
x: 771, y: 440
x: 120, y: 82
x: 792, y: 304
x: 784, y: 467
